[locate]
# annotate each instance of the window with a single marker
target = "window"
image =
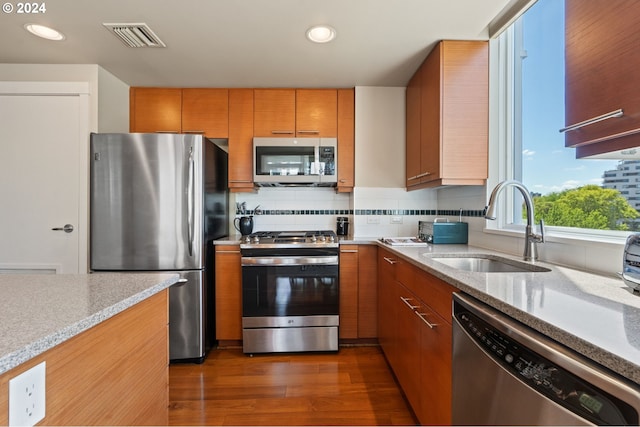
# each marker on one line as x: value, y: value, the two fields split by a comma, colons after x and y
x: 572, y: 195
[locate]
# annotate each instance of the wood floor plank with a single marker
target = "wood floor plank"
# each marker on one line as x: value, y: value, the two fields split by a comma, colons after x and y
x: 351, y: 387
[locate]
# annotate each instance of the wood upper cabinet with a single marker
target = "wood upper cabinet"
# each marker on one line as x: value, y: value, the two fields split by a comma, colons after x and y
x: 206, y: 111
x: 346, y: 140
x: 274, y: 112
x: 316, y: 113
x: 228, y: 272
x: 295, y: 113
x: 447, y: 106
x: 180, y: 111
x: 241, y: 140
x: 601, y: 63
x: 155, y: 109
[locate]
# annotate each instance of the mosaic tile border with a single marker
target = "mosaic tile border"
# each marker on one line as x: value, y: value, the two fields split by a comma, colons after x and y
x: 422, y: 212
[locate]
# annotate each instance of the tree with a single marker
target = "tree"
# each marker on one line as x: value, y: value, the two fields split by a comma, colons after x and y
x: 589, y: 206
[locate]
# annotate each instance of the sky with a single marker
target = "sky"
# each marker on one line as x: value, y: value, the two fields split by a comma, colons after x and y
x: 547, y: 165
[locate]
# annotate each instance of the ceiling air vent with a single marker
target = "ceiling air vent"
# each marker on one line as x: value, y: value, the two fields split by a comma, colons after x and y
x: 135, y: 35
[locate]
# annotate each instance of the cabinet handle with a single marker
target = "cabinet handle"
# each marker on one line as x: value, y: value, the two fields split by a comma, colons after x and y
x: 167, y: 131
x: 315, y: 132
x: 412, y: 177
x: 423, y: 174
x: 406, y: 301
x: 348, y: 251
x: 194, y: 131
x: 429, y: 324
x: 609, y: 115
x: 343, y: 180
x: 241, y: 181
x: 282, y: 132
x: 227, y: 252
x: 389, y: 260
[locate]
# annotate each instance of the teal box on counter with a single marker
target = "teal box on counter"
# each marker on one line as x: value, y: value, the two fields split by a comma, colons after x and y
x: 443, y: 232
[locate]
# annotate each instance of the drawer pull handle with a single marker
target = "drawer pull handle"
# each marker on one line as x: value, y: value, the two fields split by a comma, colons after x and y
x: 282, y: 132
x: 406, y: 301
x: 422, y: 317
x: 348, y: 251
x: 390, y: 261
x: 609, y: 115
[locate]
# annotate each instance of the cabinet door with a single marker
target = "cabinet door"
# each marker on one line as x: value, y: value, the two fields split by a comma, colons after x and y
x: 155, y: 110
x: 601, y: 64
x: 274, y: 112
x: 367, y: 291
x: 430, y: 125
x: 435, y: 370
x: 408, y: 330
x: 346, y: 140
x: 464, y: 112
x: 241, y: 140
x: 348, y: 292
x: 413, y: 102
x: 317, y: 113
x: 387, y: 310
x: 206, y: 111
x: 228, y: 293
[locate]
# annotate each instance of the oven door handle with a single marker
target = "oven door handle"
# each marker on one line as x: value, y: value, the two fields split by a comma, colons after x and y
x: 289, y: 260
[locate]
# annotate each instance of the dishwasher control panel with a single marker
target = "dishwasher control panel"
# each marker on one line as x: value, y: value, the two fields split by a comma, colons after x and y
x: 537, y: 372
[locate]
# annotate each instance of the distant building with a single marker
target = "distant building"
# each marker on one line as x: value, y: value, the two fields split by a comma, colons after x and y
x: 626, y: 179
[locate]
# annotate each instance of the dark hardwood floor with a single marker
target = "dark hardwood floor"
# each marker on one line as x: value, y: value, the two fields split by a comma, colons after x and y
x: 351, y: 387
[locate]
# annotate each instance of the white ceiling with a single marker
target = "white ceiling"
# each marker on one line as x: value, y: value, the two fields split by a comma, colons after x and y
x: 250, y: 43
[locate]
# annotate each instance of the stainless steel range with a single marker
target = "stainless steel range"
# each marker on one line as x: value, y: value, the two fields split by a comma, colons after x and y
x: 290, y: 291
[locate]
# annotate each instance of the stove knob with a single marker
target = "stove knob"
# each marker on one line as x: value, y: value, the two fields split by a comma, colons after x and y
x: 322, y: 238
x: 255, y: 240
x: 313, y: 238
x: 331, y: 239
x: 246, y: 239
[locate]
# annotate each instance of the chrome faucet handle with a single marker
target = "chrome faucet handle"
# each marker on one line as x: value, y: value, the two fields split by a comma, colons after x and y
x: 541, y: 230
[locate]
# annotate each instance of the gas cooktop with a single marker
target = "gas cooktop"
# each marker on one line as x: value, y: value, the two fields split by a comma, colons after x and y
x: 326, y: 238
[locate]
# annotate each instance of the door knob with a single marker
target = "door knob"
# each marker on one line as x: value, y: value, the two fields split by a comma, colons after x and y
x: 68, y: 228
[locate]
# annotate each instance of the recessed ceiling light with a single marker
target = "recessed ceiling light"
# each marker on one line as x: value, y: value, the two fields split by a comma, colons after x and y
x: 44, y: 32
x: 321, y: 34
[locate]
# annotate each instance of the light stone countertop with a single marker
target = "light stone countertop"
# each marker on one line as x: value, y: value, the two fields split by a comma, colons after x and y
x: 596, y: 316
x: 40, y: 311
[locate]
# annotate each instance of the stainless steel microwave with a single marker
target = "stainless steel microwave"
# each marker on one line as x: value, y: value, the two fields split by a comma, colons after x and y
x: 295, y: 161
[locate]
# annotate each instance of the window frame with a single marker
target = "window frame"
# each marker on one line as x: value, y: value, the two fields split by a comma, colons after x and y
x: 505, y: 144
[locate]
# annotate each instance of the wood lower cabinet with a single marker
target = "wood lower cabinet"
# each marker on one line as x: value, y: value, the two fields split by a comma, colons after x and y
x: 358, y: 292
x: 228, y: 293
x: 447, y: 117
x: 414, y: 331
x: 115, y: 373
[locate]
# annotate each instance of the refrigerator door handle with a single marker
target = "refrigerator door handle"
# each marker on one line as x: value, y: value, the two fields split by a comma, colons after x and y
x: 190, y: 201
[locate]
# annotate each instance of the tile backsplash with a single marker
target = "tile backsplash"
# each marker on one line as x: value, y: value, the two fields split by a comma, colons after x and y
x: 372, y: 212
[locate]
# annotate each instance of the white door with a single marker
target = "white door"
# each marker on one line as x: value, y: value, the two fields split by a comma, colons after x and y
x: 40, y: 183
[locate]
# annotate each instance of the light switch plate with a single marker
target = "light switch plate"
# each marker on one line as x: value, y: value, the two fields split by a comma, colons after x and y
x: 27, y: 397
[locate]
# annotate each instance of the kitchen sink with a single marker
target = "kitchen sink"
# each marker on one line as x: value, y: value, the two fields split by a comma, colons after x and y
x: 485, y: 263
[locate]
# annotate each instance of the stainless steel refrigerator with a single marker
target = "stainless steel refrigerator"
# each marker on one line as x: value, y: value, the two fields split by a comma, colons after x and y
x: 157, y: 203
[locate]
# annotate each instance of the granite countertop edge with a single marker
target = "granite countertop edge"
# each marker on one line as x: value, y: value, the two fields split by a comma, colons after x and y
x: 41, y: 345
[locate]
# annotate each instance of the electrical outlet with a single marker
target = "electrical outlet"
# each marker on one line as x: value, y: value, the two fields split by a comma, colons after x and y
x: 373, y: 220
x: 395, y: 220
x: 27, y: 397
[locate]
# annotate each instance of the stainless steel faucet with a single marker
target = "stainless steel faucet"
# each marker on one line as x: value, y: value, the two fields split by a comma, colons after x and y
x: 531, y: 238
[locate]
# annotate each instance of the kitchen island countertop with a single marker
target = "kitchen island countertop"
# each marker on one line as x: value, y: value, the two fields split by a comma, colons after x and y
x: 40, y: 311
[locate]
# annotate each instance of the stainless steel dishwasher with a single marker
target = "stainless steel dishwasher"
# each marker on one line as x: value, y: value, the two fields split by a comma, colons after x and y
x: 505, y: 373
